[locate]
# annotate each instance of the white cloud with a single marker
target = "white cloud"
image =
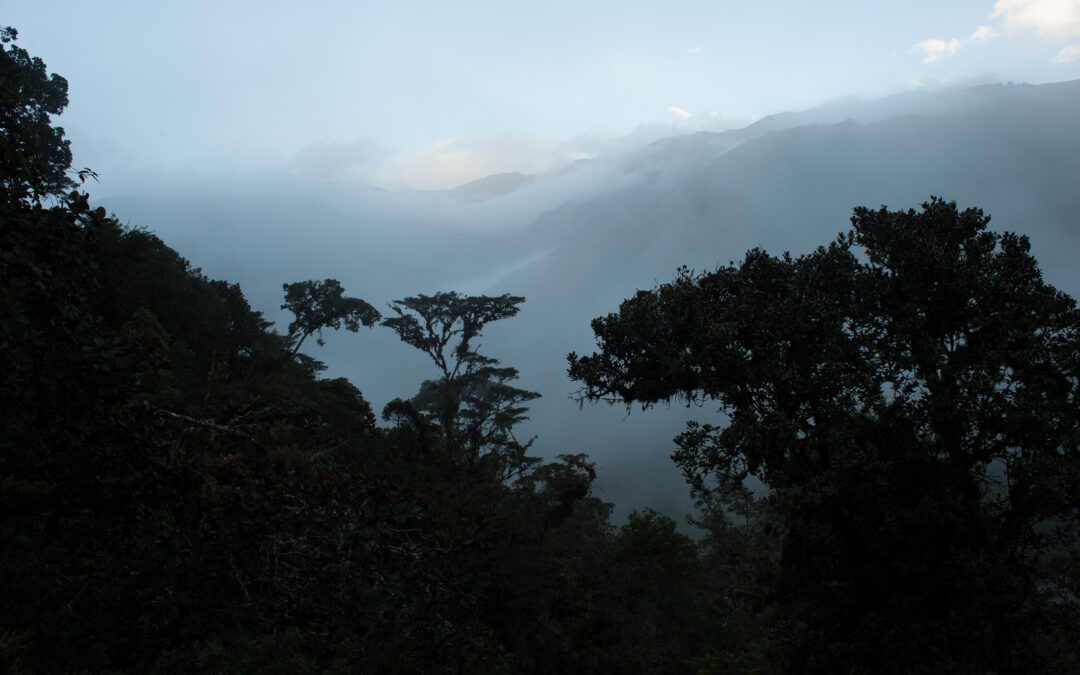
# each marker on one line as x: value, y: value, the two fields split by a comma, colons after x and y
x: 935, y: 49
x: 679, y: 112
x: 983, y: 33
x: 1067, y: 55
x: 694, y: 50
x: 1053, y: 18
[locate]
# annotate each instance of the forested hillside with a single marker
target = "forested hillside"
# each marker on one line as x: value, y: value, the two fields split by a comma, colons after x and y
x: 578, y: 241
x: 183, y: 490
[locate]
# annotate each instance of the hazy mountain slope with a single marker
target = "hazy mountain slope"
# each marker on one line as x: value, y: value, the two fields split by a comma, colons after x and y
x: 1014, y: 151
x: 488, y: 187
x: 1017, y: 155
x: 788, y: 182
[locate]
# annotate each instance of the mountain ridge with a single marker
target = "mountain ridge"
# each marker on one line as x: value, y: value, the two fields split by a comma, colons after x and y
x: 788, y: 182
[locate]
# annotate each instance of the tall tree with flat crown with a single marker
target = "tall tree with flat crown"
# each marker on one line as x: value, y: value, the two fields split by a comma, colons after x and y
x: 472, y: 400
x: 322, y: 304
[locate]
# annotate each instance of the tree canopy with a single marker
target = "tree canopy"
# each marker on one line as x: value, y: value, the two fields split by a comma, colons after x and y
x: 472, y: 401
x: 35, y: 154
x: 907, y: 396
x: 322, y: 304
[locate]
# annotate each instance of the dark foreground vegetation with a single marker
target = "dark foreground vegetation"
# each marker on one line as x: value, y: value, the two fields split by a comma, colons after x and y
x: 894, y: 487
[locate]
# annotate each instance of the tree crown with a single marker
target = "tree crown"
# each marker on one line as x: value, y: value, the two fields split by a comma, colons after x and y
x: 34, y: 153
x: 323, y: 304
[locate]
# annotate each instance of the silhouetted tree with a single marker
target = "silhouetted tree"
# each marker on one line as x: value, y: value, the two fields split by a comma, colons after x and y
x: 177, y: 497
x: 34, y: 153
x: 908, y: 395
x: 472, y: 401
x: 322, y: 304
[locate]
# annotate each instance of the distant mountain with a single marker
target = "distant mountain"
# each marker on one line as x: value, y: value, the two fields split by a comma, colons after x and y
x: 1013, y: 150
x: 704, y: 199
x: 488, y: 187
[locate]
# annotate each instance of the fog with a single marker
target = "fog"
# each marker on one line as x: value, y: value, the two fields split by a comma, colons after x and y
x: 578, y: 239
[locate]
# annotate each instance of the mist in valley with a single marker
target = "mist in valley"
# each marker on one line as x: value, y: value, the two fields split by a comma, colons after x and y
x: 577, y: 241
x: 607, y: 199
x: 584, y: 337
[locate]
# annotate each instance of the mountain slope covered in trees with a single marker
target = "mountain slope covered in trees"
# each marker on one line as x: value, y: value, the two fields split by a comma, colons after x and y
x: 182, y: 491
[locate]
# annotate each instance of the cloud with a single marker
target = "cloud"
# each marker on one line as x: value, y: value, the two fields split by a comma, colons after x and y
x: 452, y: 162
x: 1052, y: 18
x: 982, y: 34
x: 357, y: 160
x: 934, y: 49
x: 679, y: 112
x: 1067, y: 55
x: 694, y: 50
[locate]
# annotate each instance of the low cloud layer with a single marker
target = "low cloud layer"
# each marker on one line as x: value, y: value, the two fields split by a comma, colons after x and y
x: 451, y: 162
x: 358, y: 160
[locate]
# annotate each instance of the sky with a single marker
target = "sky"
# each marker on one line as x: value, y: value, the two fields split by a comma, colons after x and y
x: 429, y: 95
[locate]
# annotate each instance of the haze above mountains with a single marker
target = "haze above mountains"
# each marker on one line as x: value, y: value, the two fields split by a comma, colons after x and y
x: 577, y: 241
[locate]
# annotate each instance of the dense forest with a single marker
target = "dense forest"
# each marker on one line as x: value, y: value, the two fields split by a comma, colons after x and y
x: 893, y: 483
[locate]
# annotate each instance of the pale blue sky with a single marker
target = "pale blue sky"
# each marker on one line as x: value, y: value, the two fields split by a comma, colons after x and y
x: 436, y: 93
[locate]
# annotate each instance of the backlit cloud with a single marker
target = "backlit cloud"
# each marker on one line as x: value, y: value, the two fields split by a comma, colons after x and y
x: 452, y: 162
x: 1052, y: 18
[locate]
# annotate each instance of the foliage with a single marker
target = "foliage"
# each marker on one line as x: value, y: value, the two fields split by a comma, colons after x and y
x: 180, y: 491
x: 35, y: 156
x: 908, y: 394
x: 162, y: 492
x: 322, y: 304
x: 472, y: 401
x: 65, y: 375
